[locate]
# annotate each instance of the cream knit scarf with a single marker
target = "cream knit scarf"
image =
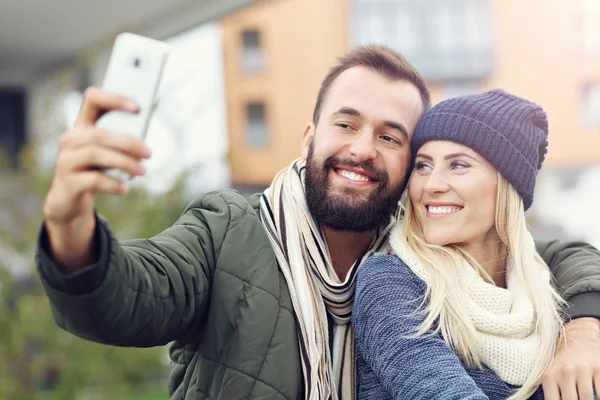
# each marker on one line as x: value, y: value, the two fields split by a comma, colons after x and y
x: 503, y: 318
x: 316, y: 291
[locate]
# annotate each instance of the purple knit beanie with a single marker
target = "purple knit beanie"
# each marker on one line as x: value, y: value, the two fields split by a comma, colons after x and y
x: 510, y: 132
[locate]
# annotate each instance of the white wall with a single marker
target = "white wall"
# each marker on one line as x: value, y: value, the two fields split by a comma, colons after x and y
x: 189, y: 129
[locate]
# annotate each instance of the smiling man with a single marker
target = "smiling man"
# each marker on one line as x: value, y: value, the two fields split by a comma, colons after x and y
x: 255, y: 294
x: 357, y: 152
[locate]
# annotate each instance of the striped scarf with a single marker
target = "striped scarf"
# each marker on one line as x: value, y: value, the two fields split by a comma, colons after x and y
x: 316, y: 291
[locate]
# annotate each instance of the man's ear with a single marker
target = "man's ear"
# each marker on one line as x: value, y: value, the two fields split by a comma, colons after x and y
x: 307, y: 139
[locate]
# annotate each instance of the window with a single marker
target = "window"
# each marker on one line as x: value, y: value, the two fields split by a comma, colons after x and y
x: 591, y: 105
x: 444, y: 39
x: 587, y: 21
x: 389, y: 24
x: 252, y: 53
x: 459, y: 29
x: 257, y: 132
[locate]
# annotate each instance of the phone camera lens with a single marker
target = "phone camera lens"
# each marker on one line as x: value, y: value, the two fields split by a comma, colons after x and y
x: 137, y: 62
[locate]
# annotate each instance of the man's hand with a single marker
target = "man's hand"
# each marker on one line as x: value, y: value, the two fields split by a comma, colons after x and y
x: 575, y: 370
x: 83, y: 152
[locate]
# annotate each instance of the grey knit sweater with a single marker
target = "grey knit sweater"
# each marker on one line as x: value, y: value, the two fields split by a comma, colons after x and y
x: 391, y: 362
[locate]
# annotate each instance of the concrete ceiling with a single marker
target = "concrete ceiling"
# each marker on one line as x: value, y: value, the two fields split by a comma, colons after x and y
x: 39, y: 35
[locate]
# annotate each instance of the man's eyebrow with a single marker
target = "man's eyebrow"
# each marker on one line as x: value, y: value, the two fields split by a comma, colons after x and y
x: 397, y: 126
x: 348, y: 111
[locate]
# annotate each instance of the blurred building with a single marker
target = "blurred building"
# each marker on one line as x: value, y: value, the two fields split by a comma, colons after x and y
x: 276, y: 54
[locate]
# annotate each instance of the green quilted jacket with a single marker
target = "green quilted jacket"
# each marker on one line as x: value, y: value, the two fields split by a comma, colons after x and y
x: 210, y: 285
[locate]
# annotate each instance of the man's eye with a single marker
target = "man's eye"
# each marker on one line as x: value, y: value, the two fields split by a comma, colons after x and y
x: 390, y: 139
x: 344, y: 126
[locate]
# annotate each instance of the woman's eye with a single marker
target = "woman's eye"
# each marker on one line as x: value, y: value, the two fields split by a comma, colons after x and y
x: 419, y: 166
x: 459, y: 165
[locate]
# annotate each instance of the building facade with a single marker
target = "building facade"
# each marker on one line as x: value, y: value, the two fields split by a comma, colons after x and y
x: 277, y: 52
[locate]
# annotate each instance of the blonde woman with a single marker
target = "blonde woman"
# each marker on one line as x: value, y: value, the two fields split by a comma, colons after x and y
x: 465, y: 309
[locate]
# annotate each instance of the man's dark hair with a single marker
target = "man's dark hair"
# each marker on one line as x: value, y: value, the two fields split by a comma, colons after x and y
x: 381, y: 59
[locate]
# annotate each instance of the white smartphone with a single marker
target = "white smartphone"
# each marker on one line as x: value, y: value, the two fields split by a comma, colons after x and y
x: 134, y: 70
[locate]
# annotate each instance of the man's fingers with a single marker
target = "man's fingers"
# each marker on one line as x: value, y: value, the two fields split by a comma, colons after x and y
x: 97, y: 101
x: 95, y: 181
x: 98, y: 157
x: 129, y: 145
x: 568, y: 392
x: 551, y: 391
x: 123, y: 143
x: 560, y: 383
x: 568, y: 385
x: 585, y: 386
x: 575, y: 365
x: 84, y: 151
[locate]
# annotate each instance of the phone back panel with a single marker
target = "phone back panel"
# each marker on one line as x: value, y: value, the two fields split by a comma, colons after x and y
x: 134, y: 70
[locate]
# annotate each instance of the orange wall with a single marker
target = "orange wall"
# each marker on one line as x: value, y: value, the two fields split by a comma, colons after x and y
x: 301, y: 39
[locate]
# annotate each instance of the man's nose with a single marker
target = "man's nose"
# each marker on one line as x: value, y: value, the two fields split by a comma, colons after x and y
x: 363, y: 147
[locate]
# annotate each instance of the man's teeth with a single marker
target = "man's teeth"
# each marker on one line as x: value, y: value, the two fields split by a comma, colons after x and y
x: 442, y: 210
x: 353, y: 176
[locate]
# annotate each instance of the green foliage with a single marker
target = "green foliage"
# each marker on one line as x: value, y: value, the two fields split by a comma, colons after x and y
x: 37, y: 359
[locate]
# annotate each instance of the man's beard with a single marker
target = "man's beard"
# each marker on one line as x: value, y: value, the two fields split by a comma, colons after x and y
x: 349, y: 210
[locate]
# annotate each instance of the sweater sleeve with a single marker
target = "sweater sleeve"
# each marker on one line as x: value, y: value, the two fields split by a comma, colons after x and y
x: 576, y: 270
x: 384, y: 321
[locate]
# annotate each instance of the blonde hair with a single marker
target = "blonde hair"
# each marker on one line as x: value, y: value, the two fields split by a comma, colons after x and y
x: 445, y: 310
